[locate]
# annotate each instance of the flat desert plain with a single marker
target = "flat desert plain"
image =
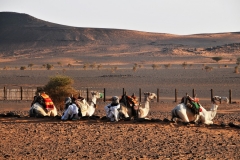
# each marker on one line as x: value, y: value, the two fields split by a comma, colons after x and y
x: 23, y: 137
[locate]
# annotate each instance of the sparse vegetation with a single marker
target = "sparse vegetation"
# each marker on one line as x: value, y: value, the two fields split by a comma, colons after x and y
x: 135, y: 65
x: 5, y: 68
x: 99, y: 66
x: 22, y: 68
x: 113, y: 69
x: 59, y: 87
x: 134, y: 68
x: 238, y: 61
x: 69, y: 65
x: 184, y: 65
x: 236, y: 69
x: 85, y: 66
x: 93, y: 65
x: 59, y: 63
x: 217, y: 59
x: 30, y: 65
x: 49, y: 66
x: 208, y: 68
x: 167, y: 65
x: 155, y: 66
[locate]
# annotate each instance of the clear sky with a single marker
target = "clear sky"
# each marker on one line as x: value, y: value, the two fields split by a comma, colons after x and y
x: 180, y: 17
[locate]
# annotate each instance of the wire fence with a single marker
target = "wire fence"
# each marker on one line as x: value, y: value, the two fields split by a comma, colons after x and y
x: 28, y: 94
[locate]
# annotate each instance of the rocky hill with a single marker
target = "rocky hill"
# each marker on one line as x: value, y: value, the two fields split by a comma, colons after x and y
x: 20, y: 33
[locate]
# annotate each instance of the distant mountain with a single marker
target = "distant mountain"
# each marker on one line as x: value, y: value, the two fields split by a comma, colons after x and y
x: 21, y: 31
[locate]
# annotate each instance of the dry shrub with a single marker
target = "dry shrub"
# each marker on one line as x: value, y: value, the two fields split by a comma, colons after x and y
x: 236, y: 69
x: 59, y: 87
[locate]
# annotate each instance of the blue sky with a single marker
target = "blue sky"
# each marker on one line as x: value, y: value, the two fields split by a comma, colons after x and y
x: 180, y: 17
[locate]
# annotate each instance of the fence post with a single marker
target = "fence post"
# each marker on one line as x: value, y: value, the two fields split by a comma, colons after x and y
x: 104, y: 93
x: 193, y: 93
x: 21, y: 92
x: 157, y: 95
x: 87, y: 95
x: 4, y: 93
x: 175, y: 95
x: 211, y: 94
x: 230, y: 96
x: 140, y: 95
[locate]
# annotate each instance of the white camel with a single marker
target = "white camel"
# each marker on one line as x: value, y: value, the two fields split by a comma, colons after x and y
x: 142, y: 111
x: 186, y: 115
x: 38, y: 109
x: 88, y: 109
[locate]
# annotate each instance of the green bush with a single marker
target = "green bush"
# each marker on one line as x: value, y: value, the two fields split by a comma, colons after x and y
x: 58, y: 88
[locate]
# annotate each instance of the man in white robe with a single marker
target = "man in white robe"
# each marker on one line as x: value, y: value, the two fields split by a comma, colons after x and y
x: 71, y: 110
x: 112, y: 109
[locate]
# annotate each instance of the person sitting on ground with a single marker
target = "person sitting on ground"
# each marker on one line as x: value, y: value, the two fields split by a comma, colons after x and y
x: 71, y: 109
x: 112, y: 109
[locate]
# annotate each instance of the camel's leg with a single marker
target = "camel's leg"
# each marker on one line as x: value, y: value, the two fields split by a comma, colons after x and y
x: 183, y: 116
x: 40, y: 111
x: 53, y: 112
x: 124, y: 111
x: 90, y: 111
x: 32, y: 112
x: 208, y: 122
x: 140, y: 113
x: 173, y: 116
x: 196, y: 119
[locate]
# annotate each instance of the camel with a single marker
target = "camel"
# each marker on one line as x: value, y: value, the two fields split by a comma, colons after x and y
x: 88, y: 109
x: 128, y: 107
x: 38, y: 108
x: 186, y: 115
x: 127, y: 111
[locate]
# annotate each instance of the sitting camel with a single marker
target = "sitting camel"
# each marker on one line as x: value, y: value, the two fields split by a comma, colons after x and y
x: 128, y: 107
x: 85, y: 108
x: 142, y: 111
x: 184, y: 113
x: 42, y: 106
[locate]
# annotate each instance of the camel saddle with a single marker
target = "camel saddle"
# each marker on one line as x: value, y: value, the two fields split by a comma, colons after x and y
x: 44, y: 100
x: 192, y: 104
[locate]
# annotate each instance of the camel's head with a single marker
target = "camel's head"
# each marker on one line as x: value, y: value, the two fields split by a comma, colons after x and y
x: 149, y: 96
x: 96, y: 94
x: 219, y: 100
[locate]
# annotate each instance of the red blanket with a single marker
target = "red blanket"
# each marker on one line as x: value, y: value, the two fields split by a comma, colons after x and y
x: 48, y: 101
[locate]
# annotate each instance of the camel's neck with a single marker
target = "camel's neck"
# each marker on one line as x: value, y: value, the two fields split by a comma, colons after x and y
x: 146, y: 104
x: 213, y: 111
x: 94, y: 101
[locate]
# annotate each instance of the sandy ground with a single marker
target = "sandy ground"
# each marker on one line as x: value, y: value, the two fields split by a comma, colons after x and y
x: 23, y: 137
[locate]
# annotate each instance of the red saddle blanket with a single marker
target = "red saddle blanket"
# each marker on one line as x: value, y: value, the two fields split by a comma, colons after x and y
x: 48, y: 101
